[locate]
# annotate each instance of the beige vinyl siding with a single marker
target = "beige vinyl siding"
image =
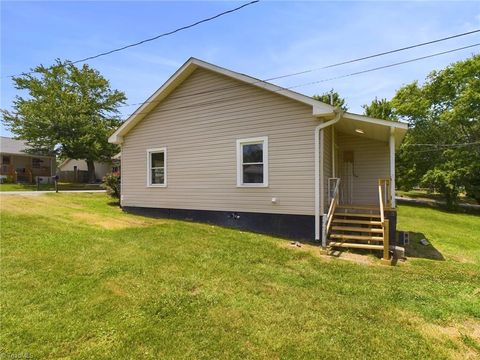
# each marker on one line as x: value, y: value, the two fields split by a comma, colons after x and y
x: 371, y: 162
x: 200, y: 133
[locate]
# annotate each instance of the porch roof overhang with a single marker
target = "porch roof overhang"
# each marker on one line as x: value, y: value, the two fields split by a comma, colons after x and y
x: 371, y: 128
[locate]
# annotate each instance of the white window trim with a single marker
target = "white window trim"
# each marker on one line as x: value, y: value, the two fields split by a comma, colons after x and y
x: 256, y: 140
x: 149, y: 168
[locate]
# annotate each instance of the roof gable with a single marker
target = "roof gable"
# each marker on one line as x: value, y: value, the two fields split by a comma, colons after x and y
x: 318, y: 108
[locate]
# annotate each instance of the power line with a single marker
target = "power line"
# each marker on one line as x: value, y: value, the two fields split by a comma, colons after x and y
x: 376, y: 55
x: 446, y: 145
x: 386, y: 66
x: 309, y: 83
x: 157, y: 36
x: 327, y: 66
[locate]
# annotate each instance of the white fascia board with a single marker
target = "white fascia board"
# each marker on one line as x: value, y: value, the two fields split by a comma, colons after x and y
x: 395, y: 124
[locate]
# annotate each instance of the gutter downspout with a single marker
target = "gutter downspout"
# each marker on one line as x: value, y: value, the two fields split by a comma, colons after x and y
x: 319, y: 181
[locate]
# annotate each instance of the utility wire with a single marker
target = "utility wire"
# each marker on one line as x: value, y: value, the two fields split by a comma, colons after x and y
x: 305, y: 84
x: 326, y: 67
x: 386, y: 66
x: 156, y: 37
x: 376, y: 55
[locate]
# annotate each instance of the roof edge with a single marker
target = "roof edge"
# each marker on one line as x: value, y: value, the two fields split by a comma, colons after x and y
x: 318, y: 108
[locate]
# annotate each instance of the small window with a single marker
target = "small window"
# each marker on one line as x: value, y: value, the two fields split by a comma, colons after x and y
x: 157, y: 167
x: 5, y: 160
x: 37, y: 163
x: 252, y: 162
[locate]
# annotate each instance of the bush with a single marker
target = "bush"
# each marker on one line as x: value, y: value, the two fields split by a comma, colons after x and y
x: 111, y: 182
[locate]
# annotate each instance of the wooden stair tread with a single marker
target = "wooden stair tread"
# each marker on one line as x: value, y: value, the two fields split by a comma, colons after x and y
x: 357, y: 229
x: 363, y: 222
x: 359, y: 207
x: 355, y: 245
x: 357, y: 215
x: 356, y: 237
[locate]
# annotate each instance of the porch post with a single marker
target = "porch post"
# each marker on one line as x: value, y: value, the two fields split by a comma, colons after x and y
x: 392, y: 165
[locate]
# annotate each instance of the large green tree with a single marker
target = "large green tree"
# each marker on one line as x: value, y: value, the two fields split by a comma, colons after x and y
x: 332, y: 96
x: 442, y: 148
x: 380, y: 109
x: 68, y: 110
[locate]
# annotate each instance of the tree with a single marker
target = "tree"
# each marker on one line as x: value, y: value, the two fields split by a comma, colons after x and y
x: 70, y: 111
x: 338, y: 101
x: 442, y: 148
x: 380, y: 109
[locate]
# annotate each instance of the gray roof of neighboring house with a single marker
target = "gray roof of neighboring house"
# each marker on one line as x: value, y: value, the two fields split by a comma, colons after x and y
x: 13, y: 146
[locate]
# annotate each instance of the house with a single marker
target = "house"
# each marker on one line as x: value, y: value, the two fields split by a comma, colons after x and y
x: 19, y: 164
x: 218, y: 146
x: 73, y: 170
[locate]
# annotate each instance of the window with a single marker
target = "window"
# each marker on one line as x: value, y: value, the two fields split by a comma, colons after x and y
x: 157, y: 167
x: 5, y: 160
x: 37, y: 163
x: 252, y: 162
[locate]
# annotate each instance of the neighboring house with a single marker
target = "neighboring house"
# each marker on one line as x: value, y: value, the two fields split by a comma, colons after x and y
x: 219, y: 146
x: 19, y: 165
x: 77, y: 171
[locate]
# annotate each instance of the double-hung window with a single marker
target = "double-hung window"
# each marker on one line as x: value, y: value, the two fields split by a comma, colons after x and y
x: 157, y: 167
x: 252, y: 162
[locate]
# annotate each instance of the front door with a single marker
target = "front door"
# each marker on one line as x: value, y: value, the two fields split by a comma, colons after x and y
x: 348, y: 176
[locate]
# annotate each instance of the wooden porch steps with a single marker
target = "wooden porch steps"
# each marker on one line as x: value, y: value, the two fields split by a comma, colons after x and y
x: 358, y: 207
x: 363, y: 215
x: 356, y: 237
x: 356, y: 246
x: 368, y: 229
x: 356, y: 227
x: 360, y: 222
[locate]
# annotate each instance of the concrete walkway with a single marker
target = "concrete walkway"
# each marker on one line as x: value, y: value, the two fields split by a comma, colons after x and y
x: 34, y: 193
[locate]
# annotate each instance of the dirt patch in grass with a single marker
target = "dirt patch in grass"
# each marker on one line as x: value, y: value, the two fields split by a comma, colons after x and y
x: 109, y: 222
x: 316, y: 250
x: 460, y: 339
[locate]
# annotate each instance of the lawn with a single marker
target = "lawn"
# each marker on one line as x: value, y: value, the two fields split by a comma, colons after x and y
x: 46, y: 187
x: 81, y: 279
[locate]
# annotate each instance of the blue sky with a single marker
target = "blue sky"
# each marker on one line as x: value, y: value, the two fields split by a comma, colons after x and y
x: 264, y: 40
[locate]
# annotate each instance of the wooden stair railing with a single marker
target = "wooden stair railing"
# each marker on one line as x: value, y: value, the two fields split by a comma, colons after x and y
x: 331, y: 208
x: 385, y: 196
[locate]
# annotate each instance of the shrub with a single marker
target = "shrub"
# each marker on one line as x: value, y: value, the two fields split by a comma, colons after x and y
x: 111, y: 182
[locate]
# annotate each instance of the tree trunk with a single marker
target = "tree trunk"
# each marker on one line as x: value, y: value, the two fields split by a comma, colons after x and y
x: 91, y: 171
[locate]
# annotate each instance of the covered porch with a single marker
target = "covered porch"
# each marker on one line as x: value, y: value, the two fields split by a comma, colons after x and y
x: 26, y: 168
x: 357, y: 182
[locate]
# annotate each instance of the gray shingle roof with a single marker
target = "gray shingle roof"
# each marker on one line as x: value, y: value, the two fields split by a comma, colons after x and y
x: 12, y: 146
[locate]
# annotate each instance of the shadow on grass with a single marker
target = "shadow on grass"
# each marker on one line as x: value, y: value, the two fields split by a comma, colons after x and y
x: 415, y: 249
x: 115, y: 203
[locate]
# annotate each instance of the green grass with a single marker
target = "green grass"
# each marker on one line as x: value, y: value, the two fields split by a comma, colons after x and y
x: 81, y: 279
x: 46, y: 187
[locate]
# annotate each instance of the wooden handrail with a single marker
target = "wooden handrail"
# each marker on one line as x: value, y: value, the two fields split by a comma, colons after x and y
x: 380, y: 200
x: 332, y: 207
x: 385, y: 196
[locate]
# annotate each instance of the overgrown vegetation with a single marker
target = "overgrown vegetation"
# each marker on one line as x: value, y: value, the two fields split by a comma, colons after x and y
x: 84, y: 280
x: 112, y: 183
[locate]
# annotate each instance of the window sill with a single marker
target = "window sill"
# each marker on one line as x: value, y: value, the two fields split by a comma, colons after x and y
x: 252, y: 186
x: 157, y: 186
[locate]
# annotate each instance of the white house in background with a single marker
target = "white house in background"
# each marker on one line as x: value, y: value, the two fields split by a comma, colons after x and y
x: 218, y: 146
x: 77, y: 170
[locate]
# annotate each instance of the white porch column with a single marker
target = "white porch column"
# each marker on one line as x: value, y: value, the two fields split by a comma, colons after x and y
x: 392, y: 164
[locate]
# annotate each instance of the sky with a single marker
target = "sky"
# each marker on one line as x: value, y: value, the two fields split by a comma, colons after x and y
x: 264, y: 40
